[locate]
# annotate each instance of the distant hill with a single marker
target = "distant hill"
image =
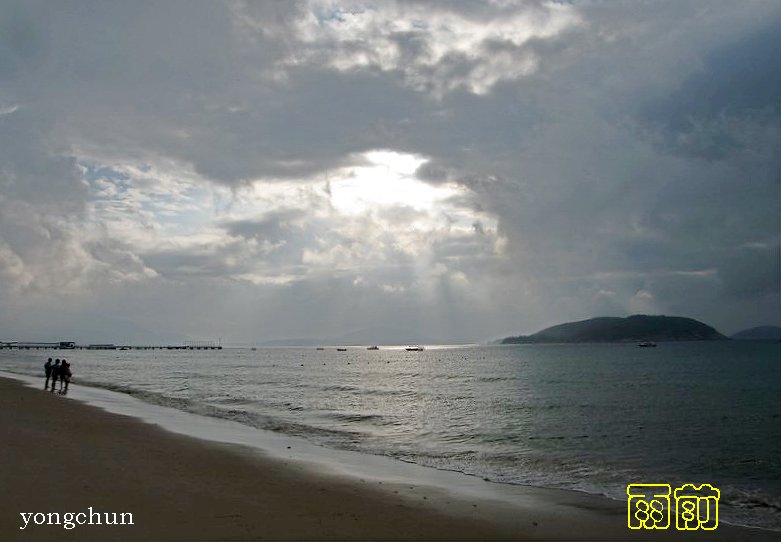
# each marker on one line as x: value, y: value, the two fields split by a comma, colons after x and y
x: 761, y: 333
x: 633, y: 328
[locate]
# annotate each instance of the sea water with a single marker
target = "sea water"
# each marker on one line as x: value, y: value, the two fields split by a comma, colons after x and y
x: 586, y: 417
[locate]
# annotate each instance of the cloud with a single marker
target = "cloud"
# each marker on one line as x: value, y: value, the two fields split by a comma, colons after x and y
x: 436, y: 46
x: 374, y: 221
x: 472, y: 168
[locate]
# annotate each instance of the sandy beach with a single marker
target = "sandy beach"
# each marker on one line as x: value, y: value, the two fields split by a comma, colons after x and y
x: 58, y: 455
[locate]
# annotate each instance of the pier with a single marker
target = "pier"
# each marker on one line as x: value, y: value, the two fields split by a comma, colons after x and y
x: 72, y: 345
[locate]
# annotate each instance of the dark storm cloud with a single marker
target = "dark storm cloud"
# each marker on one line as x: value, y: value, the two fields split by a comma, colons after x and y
x: 315, y: 121
x: 738, y: 79
x: 34, y: 168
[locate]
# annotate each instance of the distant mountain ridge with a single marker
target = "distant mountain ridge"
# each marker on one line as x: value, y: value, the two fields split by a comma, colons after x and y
x: 638, y: 327
x: 760, y: 333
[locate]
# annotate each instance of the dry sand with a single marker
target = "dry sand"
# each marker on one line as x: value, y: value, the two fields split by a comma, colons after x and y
x: 58, y: 455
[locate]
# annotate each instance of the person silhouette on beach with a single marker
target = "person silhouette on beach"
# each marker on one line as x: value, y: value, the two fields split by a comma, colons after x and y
x: 65, y: 376
x: 47, y: 369
x: 55, y: 373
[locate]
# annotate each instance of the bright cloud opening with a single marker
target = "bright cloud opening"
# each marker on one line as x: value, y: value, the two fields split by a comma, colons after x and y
x: 373, y: 219
x: 388, y: 179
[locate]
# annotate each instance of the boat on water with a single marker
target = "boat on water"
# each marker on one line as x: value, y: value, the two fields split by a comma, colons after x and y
x: 415, y: 348
x: 341, y: 349
x: 319, y: 348
x: 373, y: 348
x: 646, y: 344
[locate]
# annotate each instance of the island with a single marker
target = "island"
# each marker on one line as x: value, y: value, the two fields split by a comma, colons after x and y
x: 638, y: 327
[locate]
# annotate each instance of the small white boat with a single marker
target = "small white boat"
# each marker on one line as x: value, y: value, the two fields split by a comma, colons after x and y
x: 416, y: 348
x: 647, y: 344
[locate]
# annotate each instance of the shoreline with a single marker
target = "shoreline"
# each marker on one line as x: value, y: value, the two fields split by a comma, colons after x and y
x: 384, y: 506
x: 351, y: 464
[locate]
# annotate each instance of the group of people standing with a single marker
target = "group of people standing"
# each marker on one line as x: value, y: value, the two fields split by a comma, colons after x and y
x: 59, y: 370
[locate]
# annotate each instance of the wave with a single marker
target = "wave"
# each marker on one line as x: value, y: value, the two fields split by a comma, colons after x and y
x: 342, y: 388
x: 242, y: 416
x: 358, y: 418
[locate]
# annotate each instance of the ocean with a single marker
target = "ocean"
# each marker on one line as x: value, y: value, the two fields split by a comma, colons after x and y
x: 583, y: 417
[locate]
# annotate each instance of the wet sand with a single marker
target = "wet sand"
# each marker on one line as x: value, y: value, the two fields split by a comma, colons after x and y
x: 59, y: 455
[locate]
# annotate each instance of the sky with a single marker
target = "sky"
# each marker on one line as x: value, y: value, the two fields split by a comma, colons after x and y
x: 453, y: 171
